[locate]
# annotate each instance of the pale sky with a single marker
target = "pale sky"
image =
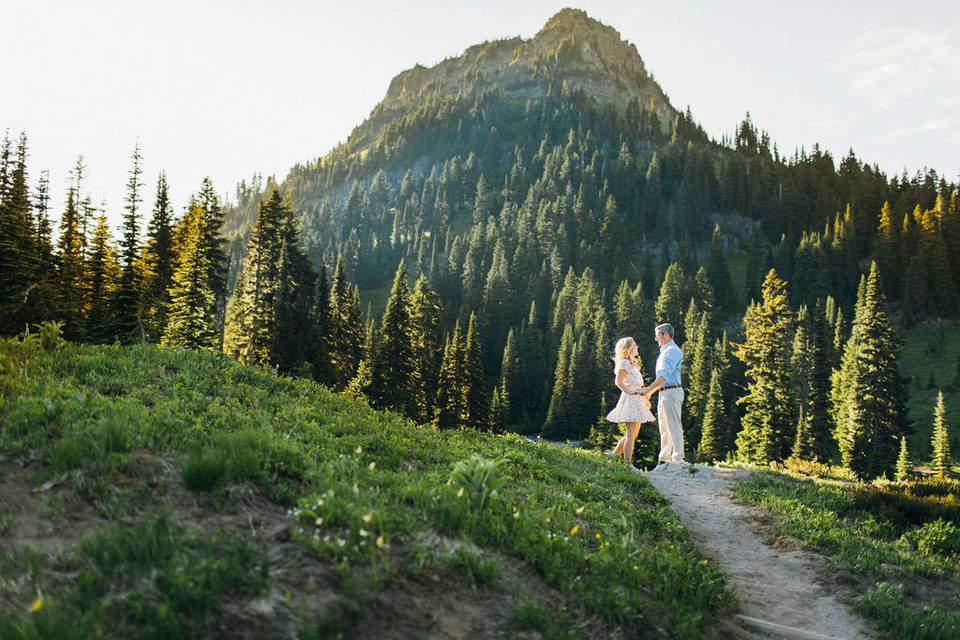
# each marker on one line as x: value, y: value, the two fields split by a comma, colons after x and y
x: 229, y: 88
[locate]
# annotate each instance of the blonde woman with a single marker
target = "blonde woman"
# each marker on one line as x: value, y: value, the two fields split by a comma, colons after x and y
x: 633, y: 408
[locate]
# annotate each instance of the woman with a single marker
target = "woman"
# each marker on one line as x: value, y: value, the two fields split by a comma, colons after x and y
x: 632, y: 408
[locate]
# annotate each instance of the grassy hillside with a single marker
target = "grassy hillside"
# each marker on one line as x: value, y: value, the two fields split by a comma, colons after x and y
x: 168, y: 493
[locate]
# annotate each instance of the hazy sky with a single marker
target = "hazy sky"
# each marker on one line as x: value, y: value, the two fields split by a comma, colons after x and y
x: 229, y: 88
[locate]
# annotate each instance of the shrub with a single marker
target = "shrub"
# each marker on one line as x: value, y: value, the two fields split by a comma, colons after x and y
x: 204, y: 470
x: 937, y: 537
x: 479, y: 478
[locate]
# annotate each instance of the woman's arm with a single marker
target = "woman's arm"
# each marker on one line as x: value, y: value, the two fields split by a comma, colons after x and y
x: 622, y: 383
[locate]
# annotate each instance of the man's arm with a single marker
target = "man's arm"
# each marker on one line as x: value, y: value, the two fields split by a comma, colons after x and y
x: 656, y: 384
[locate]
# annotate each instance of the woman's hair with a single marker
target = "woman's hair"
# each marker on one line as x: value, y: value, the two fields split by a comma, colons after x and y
x: 622, y: 349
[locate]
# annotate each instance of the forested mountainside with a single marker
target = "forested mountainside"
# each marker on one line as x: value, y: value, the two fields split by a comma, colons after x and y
x: 545, y: 198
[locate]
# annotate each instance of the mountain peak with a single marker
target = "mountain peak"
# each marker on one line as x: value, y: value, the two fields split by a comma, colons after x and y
x: 571, y: 19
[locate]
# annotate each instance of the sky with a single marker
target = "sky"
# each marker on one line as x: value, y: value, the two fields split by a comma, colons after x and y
x: 227, y: 89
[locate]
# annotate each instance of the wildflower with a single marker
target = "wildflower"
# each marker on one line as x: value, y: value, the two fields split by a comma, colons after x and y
x: 579, y: 511
x: 37, y: 604
x: 367, y: 518
x: 516, y: 515
x: 372, y: 466
x: 356, y: 489
x: 460, y: 493
x: 380, y: 542
x: 359, y: 450
x: 341, y: 541
x: 597, y: 535
x: 363, y: 533
x: 575, y: 530
x: 318, y: 521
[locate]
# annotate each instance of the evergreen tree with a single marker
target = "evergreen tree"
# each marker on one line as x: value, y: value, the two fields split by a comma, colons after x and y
x: 159, y: 261
x: 295, y: 335
x: 475, y: 392
x: 346, y: 327
x: 768, y: 424
x: 127, y: 301
x: 425, y: 318
x: 71, y: 299
x: 213, y: 243
x: 451, y: 406
x: 869, y: 394
x: 718, y: 274
x: 251, y: 316
x: 190, y: 321
x: 510, y: 381
x: 714, y: 433
x: 698, y: 378
x: 940, y: 441
x: 499, y: 410
x: 674, y: 298
x: 321, y: 358
x: 394, y: 383
x: 903, y: 462
x: 18, y: 248
x: 102, y: 279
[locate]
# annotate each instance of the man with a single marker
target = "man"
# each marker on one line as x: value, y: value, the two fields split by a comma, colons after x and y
x: 667, y: 384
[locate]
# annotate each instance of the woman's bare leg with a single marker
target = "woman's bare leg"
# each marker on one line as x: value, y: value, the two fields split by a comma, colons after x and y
x: 633, y: 428
x: 618, y: 450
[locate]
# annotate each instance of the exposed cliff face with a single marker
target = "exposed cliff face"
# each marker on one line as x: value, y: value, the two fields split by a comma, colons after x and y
x: 572, y: 48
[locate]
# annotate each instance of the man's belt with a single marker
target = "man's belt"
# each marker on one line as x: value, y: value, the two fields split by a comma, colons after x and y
x: 669, y: 386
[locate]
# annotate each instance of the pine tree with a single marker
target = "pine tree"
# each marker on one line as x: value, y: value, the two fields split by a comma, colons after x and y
x: 718, y: 274
x: 394, y: 384
x: 251, y: 316
x: 698, y: 378
x: 499, y: 410
x: 295, y: 333
x: 213, y: 243
x: 71, y: 299
x: 714, y: 433
x: 451, y: 408
x: 159, y: 261
x: 868, y: 392
x: 475, y: 392
x: 768, y: 424
x: 128, y: 313
x: 556, y: 423
x: 903, y: 462
x: 940, y: 440
x: 18, y: 249
x: 674, y: 298
x: 190, y: 320
x: 425, y: 312
x: 346, y: 327
x: 321, y: 358
x: 511, y: 382
x: 102, y: 279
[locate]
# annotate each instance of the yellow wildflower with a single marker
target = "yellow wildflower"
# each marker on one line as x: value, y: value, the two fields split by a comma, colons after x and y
x: 37, y: 604
x: 372, y: 466
x: 367, y: 518
x: 575, y: 530
x: 460, y: 493
x: 381, y: 542
x: 579, y: 511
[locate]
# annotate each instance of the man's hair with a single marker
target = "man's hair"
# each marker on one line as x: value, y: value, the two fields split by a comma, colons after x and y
x: 666, y: 327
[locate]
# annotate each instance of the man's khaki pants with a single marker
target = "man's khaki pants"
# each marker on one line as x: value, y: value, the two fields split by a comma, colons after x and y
x: 668, y: 419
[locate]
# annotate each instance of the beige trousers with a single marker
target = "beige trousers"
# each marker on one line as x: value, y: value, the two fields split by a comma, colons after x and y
x: 668, y: 419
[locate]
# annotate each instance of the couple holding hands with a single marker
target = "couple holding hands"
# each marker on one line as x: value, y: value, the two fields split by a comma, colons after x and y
x: 633, y: 408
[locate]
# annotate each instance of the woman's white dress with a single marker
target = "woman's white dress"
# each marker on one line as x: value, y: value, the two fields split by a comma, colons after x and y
x: 630, y: 407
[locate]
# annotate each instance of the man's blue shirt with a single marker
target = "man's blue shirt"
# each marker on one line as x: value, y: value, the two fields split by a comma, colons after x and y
x: 668, y: 363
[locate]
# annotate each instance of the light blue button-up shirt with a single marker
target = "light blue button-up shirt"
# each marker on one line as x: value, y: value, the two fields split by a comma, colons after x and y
x: 668, y: 363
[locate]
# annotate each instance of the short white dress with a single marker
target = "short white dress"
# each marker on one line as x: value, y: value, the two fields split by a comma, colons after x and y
x: 630, y: 407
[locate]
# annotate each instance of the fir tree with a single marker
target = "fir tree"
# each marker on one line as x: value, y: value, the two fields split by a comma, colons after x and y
x: 903, y: 462
x: 159, y: 261
x: 768, y: 424
x: 714, y: 433
x: 346, y: 328
x: 425, y: 317
x: 940, y: 441
x: 451, y: 406
x: 674, y: 298
x: 499, y: 410
x: 511, y: 382
x: 71, y: 299
x: 102, y: 279
x: 868, y: 392
x: 295, y: 334
x: 190, y: 320
x: 718, y: 273
x: 213, y: 243
x: 475, y: 392
x: 127, y: 302
x: 394, y: 383
x: 18, y: 248
x: 251, y: 316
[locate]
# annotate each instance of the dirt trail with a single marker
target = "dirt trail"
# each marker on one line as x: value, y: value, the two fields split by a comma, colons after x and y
x: 780, y: 586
